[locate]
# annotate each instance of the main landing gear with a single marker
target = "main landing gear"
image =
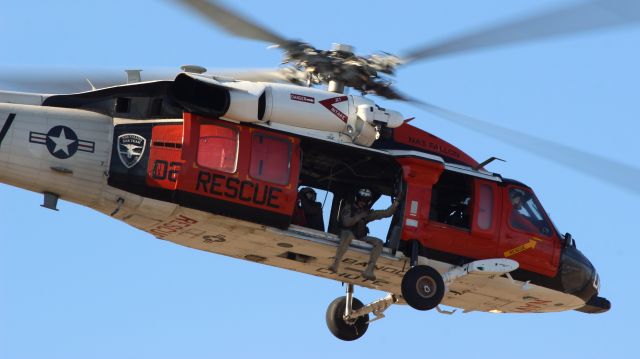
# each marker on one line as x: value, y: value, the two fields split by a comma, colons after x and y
x: 348, y: 318
x: 422, y: 287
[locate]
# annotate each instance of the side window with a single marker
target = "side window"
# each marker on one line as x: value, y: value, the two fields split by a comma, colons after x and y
x: 526, y: 214
x: 451, y: 200
x: 270, y: 159
x: 485, y: 206
x: 218, y: 147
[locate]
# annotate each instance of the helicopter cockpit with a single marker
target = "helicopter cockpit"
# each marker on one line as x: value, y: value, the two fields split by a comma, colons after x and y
x: 528, y: 221
x: 526, y: 214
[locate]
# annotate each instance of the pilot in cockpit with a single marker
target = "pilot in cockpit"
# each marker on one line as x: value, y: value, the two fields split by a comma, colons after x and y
x: 518, y: 219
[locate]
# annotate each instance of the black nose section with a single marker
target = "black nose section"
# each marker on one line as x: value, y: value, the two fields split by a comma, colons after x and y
x: 578, y: 275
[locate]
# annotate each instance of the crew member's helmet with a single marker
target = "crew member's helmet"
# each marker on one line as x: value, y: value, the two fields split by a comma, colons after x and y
x: 364, y: 195
x: 308, y: 193
x: 517, y: 196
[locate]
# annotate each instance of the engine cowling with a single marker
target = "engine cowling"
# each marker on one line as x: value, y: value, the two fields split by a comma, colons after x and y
x: 359, y: 118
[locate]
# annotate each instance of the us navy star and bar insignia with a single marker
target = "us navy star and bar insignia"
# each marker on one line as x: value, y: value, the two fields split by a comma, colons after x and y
x: 62, y: 142
x: 531, y: 244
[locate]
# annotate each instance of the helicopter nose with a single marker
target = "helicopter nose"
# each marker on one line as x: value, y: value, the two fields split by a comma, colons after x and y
x: 579, y: 277
x: 596, y: 305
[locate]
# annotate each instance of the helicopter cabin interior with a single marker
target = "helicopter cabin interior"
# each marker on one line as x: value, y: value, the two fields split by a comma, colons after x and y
x: 342, y: 171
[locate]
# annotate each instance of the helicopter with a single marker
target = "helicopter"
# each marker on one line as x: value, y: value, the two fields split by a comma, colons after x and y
x: 151, y: 140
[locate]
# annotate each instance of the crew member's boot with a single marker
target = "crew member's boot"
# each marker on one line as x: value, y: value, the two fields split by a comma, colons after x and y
x: 375, y: 253
x: 345, y: 241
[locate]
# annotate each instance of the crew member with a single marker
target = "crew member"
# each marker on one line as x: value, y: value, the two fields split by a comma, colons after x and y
x: 308, y: 211
x: 353, y: 224
x: 516, y: 218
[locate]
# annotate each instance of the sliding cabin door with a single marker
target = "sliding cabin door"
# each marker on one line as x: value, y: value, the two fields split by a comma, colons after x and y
x: 239, y: 171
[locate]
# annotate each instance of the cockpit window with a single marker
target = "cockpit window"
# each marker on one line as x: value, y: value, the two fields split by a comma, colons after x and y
x: 526, y: 213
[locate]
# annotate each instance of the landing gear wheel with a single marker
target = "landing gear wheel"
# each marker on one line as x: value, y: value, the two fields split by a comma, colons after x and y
x: 339, y: 327
x: 422, y: 287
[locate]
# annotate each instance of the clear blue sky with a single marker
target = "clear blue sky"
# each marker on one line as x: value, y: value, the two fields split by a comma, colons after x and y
x: 77, y: 284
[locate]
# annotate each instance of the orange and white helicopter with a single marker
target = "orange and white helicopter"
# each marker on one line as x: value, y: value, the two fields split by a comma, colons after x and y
x: 215, y: 163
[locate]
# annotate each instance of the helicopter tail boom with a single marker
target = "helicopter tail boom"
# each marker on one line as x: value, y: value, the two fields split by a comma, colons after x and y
x: 55, y: 150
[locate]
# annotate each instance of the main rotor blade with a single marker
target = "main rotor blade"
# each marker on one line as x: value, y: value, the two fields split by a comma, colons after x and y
x: 581, y: 17
x: 234, y: 22
x: 613, y: 172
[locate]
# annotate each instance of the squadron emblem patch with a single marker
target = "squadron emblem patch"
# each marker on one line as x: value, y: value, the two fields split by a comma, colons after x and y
x: 130, y: 148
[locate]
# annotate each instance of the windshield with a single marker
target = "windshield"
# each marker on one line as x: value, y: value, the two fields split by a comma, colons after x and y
x: 526, y: 213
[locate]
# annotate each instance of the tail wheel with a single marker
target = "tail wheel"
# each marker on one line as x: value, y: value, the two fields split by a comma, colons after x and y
x: 342, y: 329
x: 422, y: 287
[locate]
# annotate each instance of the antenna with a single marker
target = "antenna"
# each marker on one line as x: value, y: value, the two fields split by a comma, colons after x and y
x: 486, y: 162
